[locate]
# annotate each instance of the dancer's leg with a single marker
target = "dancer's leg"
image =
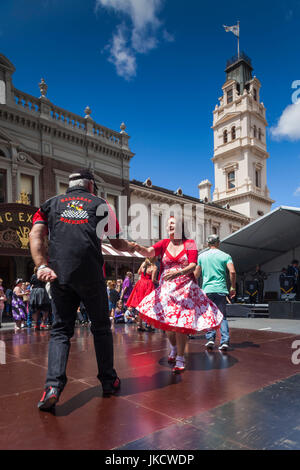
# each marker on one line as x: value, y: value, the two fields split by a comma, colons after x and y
x: 181, y: 341
x: 172, y: 338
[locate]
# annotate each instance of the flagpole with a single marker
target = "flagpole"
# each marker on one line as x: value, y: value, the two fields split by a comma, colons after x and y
x: 238, y: 39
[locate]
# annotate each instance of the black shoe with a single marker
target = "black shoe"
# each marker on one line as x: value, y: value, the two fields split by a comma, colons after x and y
x: 150, y: 329
x: 111, y: 388
x: 49, y: 399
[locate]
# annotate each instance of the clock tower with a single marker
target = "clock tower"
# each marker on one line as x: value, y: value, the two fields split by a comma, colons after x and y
x: 240, y: 152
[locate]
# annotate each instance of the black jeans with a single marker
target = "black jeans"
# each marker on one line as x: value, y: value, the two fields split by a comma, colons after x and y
x: 65, y: 302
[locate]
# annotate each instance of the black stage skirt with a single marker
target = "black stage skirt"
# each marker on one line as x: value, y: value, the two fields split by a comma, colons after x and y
x: 39, y: 299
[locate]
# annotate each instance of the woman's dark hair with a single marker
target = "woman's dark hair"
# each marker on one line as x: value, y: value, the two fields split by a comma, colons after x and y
x: 183, y: 235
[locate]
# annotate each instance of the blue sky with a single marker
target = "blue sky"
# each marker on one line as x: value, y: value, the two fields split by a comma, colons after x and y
x: 158, y: 65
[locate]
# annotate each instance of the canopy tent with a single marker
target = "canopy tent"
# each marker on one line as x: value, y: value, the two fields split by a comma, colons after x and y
x: 108, y: 250
x: 266, y: 238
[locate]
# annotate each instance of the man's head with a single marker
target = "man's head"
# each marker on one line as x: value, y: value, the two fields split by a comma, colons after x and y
x: 129, y: 274
x: 84, y: 178
x: 295, y: 262
x: 213, y: 240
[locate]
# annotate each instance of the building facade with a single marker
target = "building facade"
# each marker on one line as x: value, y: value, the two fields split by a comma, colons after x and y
x: 40, y: 145
x: 240, y: 151
x: 202, y: 217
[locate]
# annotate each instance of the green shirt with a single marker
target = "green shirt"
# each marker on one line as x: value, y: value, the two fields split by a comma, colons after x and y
x: 213, y: 264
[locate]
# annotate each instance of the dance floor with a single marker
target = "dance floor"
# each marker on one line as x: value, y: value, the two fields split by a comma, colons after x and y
x: 247, y: 398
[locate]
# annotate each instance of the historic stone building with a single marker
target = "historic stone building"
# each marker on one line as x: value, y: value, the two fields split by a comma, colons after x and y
x: 202, y: 216
x: 40, y: 144
x: 240, y: 151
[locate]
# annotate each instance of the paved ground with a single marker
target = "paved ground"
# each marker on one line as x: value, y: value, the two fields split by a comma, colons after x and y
x: 248, y: 398
x: 264, y: 324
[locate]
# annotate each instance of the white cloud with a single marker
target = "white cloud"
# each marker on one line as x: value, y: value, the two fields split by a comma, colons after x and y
x: 138, y: 36
x: 297, y: 192
x: 121, y: 55
x: 289, y: 123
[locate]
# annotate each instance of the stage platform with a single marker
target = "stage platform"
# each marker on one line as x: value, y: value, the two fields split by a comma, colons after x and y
x: 247, y: 310
x: 247, y: 398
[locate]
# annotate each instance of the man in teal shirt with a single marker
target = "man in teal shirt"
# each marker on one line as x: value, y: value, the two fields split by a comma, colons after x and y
x: 213, y: 264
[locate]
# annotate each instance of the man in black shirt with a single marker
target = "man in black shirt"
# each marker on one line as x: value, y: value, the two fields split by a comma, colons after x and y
x: 259, y: 276
x: 75, y: 223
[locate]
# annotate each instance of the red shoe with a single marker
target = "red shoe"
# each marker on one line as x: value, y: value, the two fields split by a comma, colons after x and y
x: 178, y: 369
x: 172, y: 359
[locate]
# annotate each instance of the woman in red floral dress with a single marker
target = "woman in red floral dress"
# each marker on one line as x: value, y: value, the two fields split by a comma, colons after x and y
x: 178, y: 305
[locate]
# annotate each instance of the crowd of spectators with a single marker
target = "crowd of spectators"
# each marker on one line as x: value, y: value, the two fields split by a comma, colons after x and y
x: 28, y: 304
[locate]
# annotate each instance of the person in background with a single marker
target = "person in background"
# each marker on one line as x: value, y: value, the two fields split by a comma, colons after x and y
x: 127, y: 287
x: 82, y: 315
x: 129, y: 315
x: 8, y: 295
x: 39, y: 303
x: 148, y: 273
x: 113, y: 295
x: 117, y: 314
x: 2, y: 301
x: 293, y: 270
x: 119, y: 287
x: 18, y: 305
x: 213, y: 264
x: 259, y: 276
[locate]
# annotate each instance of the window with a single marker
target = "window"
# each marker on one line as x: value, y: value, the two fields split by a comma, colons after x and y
x: 63, y: 188
x: 225, y: 137
x: 156, y: 227
x: 255, y: 131
x: 27, y: 186
x: 2, y: 186
x: 229, y: 96
x: 257, y: 178
x: 233, y: 133
x: 231, y: 180
x: 259, y: 133
x: 214, y: 230
x: 113, y: 202
x: 255, y: 94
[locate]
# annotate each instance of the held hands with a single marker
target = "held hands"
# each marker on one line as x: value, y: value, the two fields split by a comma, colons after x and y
x: 133, y: 247
x: 46, y: 275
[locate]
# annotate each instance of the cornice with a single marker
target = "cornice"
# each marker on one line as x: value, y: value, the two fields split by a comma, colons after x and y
x: 27, y: 121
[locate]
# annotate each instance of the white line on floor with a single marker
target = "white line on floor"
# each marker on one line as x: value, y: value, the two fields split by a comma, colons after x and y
x: 261, y: 329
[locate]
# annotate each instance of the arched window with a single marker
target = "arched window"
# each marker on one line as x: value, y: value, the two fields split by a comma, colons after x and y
x: 225, y: 137
x: 233, y: 133
x: 2, y: 186
x: 259, y: 133
x: 255, y: 131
